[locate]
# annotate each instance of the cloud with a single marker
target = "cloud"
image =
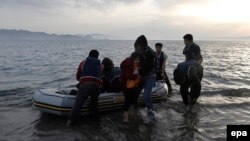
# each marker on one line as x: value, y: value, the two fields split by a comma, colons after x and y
x: 125, y: 18
x: 97, y: 4
x: 31, y: 3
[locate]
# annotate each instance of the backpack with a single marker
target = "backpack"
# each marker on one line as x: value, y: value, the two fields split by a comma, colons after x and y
x: 179, y: 76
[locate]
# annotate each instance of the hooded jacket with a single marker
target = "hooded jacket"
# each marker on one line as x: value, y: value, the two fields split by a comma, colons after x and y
x: 148, y: 62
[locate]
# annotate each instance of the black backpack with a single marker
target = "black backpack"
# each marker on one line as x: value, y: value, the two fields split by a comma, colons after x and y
x: 179, y: 76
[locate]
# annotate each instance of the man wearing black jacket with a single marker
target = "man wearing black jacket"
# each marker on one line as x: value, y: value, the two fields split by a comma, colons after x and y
x: 191, y: 50
x: 147, y: 71
x: 189, y: 73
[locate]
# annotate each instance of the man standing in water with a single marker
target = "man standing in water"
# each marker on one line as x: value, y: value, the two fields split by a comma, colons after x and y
x: 189, y: 73
x: 147, y: 72
x: 161, y: 58
x: 191, y: 50
x: 89, y: 77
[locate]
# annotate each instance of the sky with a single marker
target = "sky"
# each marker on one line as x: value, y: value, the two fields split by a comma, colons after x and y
x: 127, y: 19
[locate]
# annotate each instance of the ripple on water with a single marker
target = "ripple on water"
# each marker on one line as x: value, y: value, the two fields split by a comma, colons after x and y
x: 28, y: 65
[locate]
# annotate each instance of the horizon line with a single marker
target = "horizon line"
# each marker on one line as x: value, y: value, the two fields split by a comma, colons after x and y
x: 115, y: 37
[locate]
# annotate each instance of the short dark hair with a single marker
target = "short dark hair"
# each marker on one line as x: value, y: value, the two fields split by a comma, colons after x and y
x: 159, y: 44
x: 135, y: 55
x: 94, y: 53
x: 188, y: 37
x: 108, y: 64
x: 142, y: 41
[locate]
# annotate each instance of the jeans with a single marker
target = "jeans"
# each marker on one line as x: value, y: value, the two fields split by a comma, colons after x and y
x: 147, y: 84
x: 85, y: 90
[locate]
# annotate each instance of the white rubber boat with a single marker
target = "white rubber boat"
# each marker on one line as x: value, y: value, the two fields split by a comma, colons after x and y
x: 60, y: 102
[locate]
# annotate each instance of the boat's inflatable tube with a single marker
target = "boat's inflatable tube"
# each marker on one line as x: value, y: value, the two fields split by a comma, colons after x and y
x: 60, y: 102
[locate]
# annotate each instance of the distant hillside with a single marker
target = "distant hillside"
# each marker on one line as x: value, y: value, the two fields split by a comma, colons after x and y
x: 100, y: 36
x: 24, y: 34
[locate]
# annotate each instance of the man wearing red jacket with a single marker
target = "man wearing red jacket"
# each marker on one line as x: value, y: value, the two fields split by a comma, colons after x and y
x: 89, y: 77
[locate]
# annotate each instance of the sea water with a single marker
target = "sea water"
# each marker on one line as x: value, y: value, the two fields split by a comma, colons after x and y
x: 28, y: 65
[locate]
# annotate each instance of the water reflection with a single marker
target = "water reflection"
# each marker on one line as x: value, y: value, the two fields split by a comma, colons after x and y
x: 188, y: 129
x: 224, y: 100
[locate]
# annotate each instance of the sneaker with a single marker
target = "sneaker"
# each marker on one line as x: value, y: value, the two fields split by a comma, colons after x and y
x: 151, y: 116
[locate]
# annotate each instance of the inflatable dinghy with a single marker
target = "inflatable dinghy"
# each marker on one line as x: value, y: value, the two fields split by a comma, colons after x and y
x: 60, y: 101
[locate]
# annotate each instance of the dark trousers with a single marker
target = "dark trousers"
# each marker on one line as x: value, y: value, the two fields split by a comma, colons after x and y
x: 114, y: 86
x: 165, y: 78
x: 194, y: 83
x: 131, y: 97
x: 105, y: 87
x: 85, y: 90
x: 194, y: 93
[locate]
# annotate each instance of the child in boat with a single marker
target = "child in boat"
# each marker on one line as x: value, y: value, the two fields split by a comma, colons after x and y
x: 129, y: 82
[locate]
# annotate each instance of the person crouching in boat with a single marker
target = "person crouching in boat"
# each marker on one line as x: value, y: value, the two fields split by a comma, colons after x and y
x: 129, y: 81
x: 108, y: 66
x: 189, y: 74
x: 110, y: 76
x: 89, y: 77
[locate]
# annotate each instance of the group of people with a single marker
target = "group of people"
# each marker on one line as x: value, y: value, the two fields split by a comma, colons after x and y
x: 137, y: 72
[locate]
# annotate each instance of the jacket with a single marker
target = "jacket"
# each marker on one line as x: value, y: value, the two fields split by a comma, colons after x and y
x: 127, y: 72
x: 89, y: 70
x: 192, y: 52
x: 148, y: 63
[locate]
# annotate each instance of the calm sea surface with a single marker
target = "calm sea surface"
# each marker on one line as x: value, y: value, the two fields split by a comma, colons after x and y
x: 29, y: 65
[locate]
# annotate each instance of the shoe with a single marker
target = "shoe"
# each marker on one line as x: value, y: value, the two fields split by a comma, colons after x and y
x: 151, y: 116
